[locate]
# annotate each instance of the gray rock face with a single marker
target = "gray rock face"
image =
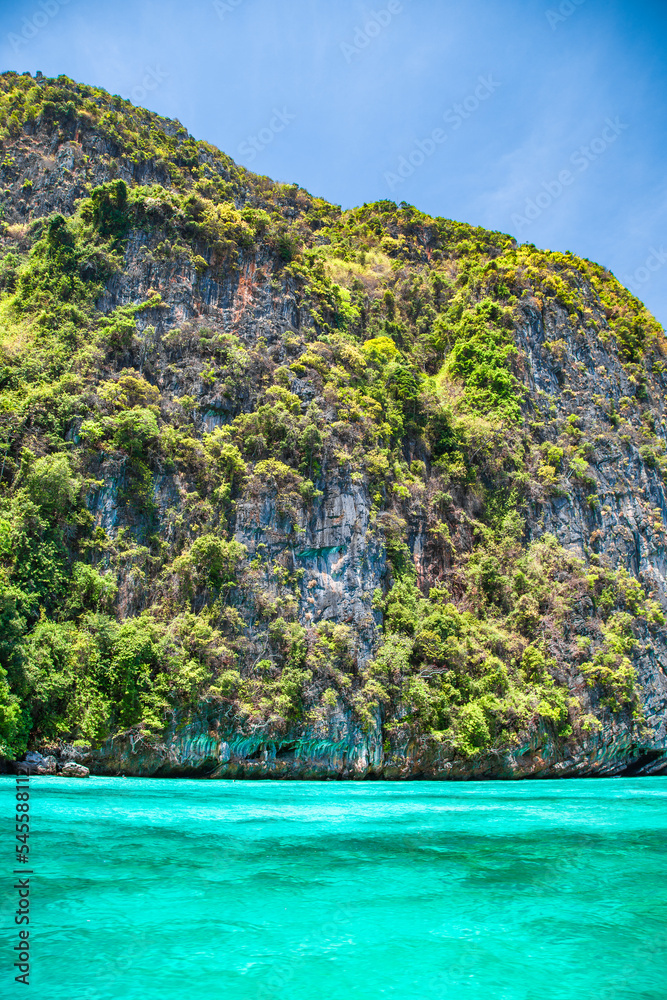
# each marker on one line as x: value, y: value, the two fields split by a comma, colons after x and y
x: 32, y: 763
x: 35, y: 763
x: 352, y: 754
x: 626, y: 521
x: 342, y: 559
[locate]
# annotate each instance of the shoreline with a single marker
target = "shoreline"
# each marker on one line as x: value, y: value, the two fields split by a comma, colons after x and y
x: 650, y: 763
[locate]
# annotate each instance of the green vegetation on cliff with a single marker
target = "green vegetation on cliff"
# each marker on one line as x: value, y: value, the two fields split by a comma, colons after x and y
x: 129, y: 440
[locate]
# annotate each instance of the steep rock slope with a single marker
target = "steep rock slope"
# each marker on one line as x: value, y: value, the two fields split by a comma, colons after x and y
x: 291, y: 491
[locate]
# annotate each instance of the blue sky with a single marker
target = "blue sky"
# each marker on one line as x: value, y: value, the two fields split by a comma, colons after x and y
x: 547, y: 120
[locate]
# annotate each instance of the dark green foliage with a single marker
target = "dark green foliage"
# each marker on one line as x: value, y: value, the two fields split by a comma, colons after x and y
x: 109, y: 208
x: 33, y: 524
x: 135, y: 430
x: 480, y: 356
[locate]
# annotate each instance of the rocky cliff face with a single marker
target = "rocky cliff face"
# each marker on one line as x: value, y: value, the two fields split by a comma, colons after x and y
x: 292, y: 492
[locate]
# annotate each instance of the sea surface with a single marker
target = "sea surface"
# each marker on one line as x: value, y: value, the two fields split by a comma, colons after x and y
x: 222, y: 890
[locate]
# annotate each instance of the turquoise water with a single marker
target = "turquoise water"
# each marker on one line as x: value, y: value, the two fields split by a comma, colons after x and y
x: 185, y: 890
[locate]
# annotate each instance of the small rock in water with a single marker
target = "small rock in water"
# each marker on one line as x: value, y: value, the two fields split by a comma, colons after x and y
x: 74, y: 770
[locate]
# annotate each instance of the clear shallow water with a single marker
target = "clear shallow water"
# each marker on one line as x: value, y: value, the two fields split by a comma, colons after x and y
x: 153, y: 890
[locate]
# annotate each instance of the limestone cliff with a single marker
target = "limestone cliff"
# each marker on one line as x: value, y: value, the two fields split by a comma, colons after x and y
x: 288, y: 491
